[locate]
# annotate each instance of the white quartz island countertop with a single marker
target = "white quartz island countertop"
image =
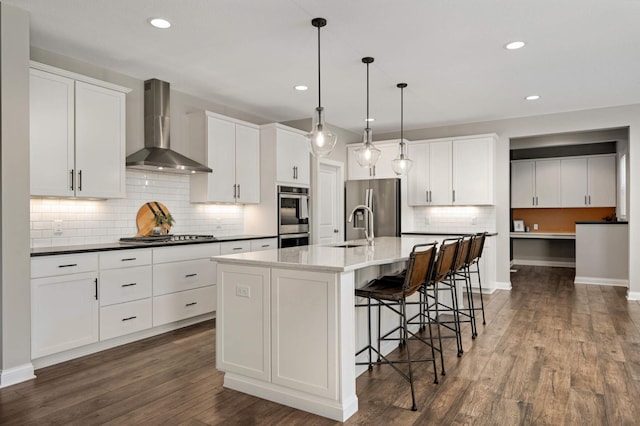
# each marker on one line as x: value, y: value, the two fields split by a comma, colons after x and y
x: 331, y: 258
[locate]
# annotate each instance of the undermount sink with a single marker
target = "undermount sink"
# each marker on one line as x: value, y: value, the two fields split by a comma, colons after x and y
x: 350, y: 245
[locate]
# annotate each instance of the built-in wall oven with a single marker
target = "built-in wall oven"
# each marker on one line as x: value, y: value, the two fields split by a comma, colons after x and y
x: 293, y: 216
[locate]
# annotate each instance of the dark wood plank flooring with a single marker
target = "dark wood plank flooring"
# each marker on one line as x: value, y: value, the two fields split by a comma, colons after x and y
x: 550, y: 353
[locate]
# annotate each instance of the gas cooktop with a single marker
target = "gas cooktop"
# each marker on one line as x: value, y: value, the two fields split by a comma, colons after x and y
x: 168, y: 239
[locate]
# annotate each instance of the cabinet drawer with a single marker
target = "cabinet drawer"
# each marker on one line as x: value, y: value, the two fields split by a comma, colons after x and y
x: 230, y: 247
x: 50, y: 266
x: 185, y: 252
x: 125, y: 318
x: 178, y: 276
x: 124, y: 285
x: 125, y: 258
x: 264, y: 244
x: 185, y: 304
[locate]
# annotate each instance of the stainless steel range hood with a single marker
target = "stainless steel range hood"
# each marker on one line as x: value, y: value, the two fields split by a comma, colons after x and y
x: 156, y: 154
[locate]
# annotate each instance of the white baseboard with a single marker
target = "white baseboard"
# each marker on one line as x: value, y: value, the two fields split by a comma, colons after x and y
x: 12, y: 376
x: 502, y: 285
x: 601, y: 281
x: 57, y: 358
x: 633, y: 295
x: 536, y: 262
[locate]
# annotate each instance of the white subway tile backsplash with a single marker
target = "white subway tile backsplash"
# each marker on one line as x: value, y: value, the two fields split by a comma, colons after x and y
x: 105, y: 221
x: 455, y: 219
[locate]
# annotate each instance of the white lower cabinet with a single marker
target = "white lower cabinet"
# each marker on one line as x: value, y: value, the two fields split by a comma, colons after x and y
x: 184, y: 281
x: 264, y: 244
x: 64, y: 306
x: 184, y: 304
x: 276, y: 312
x: 125, y: 318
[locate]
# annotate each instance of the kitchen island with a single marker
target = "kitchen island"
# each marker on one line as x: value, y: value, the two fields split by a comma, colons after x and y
x: 287, y: 330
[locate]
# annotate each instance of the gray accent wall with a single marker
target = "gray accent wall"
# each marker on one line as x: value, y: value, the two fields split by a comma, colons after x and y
x: 15, y: 266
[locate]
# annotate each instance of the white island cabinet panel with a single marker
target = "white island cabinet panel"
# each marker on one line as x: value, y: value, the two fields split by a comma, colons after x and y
x: 304, y: 327
x: 243, y: 340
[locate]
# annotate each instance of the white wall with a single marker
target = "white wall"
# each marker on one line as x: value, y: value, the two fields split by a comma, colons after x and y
x: 604, y: 118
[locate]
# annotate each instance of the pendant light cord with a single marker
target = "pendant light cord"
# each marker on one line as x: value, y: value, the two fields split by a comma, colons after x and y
x: 368, y: 95
x: 402, y: 117
x: 319, y: 91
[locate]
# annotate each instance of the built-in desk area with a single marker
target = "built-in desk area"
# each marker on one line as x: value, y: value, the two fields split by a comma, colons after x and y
x: 543, y: 248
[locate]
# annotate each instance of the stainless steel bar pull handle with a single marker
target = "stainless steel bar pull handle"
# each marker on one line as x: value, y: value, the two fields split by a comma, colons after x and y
x: 96, y: 284
x: 426, y: 196
x: 79, y: 180
x: 589, y: 199
x: 234, y: 191
x: 585, y: 200
x: 238, y: 191
x: 72, y: 173
x: 454, y: 195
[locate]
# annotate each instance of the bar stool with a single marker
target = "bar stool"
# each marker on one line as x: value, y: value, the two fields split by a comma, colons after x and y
x: 475, y: 254
x: 462, y: 274
x: 392, y: 294
x: 444, y: 280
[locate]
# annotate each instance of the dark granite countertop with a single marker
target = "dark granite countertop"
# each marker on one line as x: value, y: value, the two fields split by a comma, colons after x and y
x: 601, y: 222
x: 88, y: 248
x: 489, y: 234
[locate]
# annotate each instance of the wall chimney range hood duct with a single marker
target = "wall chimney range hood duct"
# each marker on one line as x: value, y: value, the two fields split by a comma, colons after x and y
x: 156, y: 154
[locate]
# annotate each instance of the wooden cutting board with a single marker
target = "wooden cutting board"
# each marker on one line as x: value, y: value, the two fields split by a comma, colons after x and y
x: 146, y: 218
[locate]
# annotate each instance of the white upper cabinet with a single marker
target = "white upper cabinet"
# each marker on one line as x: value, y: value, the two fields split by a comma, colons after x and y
x: 382, y: 169
x: 77, y: 128
x: 583, y: 181
x: 473, y: 170
x: 233, y: 153
x: 292, y: 157
x: 429, y: 179
x: 457, y: 171
x: 535, y: 183
x: 589, y: 181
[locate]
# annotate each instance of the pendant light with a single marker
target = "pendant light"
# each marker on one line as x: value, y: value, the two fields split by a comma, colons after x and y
x: 401, y: 164
x: 367, y: 153
x: 322, y: 140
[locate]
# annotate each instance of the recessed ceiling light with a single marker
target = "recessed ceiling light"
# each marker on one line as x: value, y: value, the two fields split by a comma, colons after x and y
x: 301, y: 87
x: 514, y: 45
x: 160, y: 23
x: 532, y: 97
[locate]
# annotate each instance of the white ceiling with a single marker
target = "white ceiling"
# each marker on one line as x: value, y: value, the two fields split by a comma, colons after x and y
x: 248, y: 54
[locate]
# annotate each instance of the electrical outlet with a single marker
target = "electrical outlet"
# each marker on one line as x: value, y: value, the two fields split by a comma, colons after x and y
x: 243, y: 291
x: 57, y: 227
x: 427, y: 220
x: 474, y: 220
x: 535, y: 226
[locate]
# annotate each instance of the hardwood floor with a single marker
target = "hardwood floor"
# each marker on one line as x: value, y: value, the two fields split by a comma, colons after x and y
x: 551, y: 353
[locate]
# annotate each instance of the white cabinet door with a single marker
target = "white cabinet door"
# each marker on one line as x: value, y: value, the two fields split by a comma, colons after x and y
x: 602, y: 181
x: 429, y: 180
x: 440, y: 173
x: 382, y: 169
x: 264, y: 244
x: 247, y: 157
x: 523, y: 184
x: 573, y: 182
x: 548, y: 183
x: 243, y: 321
x: 473, y: 171
x: 64, y: 313
x: 51, y: 127
x: 221, y: 136
x: 418, y: 175
x: 100, y: 142
x: 292, y: 158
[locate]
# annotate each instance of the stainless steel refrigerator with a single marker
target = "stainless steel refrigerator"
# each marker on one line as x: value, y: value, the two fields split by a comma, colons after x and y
x: 383, y: 196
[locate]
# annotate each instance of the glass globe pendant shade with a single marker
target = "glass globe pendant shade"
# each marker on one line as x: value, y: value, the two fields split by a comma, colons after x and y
x: 401, y: 164
x: 322, y: 140
x: 367, y: 154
